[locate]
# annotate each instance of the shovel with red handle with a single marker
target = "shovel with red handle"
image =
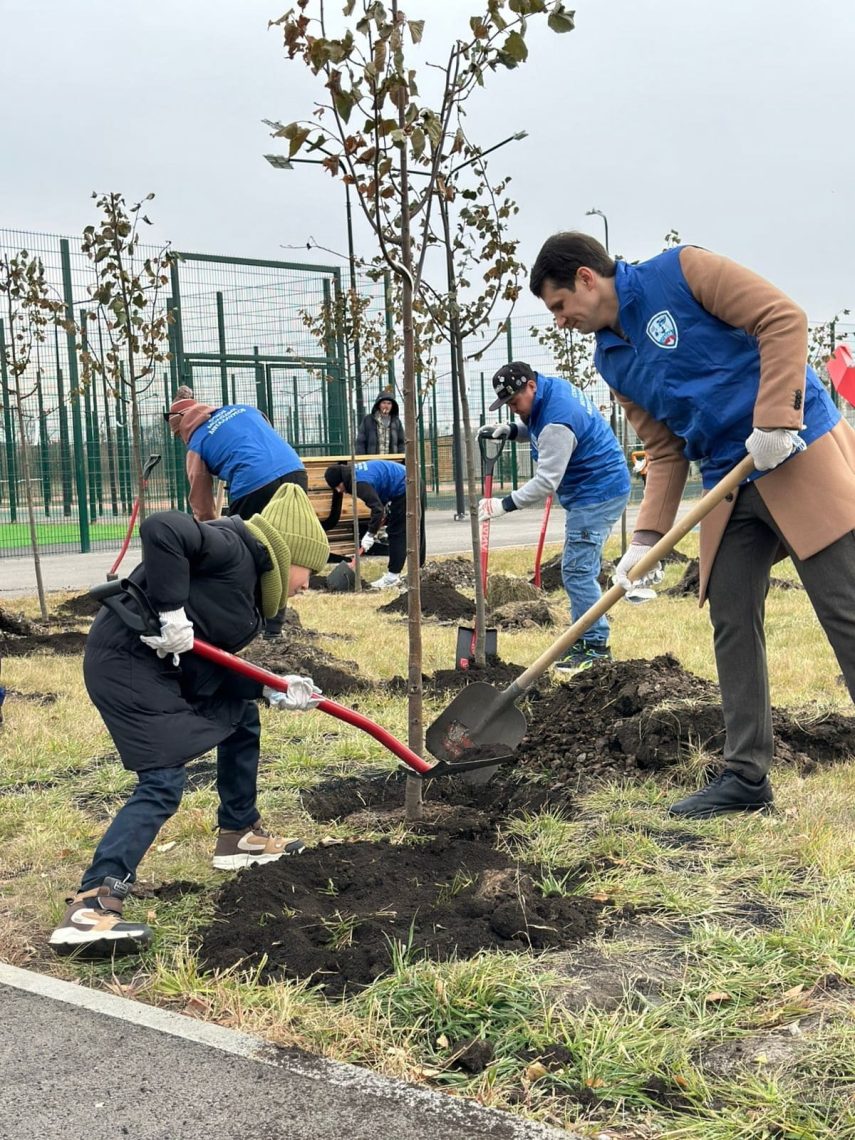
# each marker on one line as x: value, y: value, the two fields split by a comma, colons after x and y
x: 150, y: 465
x: 536, y: 580
x: 129, y: 602
x: 490, y: 449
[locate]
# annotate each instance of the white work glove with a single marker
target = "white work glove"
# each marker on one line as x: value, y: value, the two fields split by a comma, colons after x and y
x: 490, y: 509
x: 498, y: 431
x: 368, y: 541
x: 769, y: 447
x: 176, y: 635
x: 301, y: 695
x: 634, y: 553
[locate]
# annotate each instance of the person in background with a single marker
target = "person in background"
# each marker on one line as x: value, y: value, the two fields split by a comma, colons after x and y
x: 381, y: 431
x: 581, y: 463
x: 164, y: 706
x: 382, y: 485
x: 237, y: 444
x: 708, y: 361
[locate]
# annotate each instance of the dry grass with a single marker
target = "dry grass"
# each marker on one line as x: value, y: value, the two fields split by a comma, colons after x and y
x: 701, y: 900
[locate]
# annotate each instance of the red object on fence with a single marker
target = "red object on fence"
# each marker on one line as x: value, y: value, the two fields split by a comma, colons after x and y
x: 841, y: 369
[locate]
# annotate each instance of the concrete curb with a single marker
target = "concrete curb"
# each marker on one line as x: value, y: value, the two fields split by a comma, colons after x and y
x: 464, y: 1117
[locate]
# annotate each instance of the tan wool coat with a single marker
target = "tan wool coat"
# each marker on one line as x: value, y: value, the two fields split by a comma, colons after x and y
x: 811, y: 497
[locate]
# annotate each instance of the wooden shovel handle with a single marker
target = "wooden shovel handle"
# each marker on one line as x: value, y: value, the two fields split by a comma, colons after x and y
x: 644, y: 565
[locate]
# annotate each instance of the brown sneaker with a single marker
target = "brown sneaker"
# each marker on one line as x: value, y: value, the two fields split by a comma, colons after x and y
x: 243, y: 848
x: 92, y: 925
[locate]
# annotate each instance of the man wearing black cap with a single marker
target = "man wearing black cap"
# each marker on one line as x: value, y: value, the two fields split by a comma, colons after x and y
x: 580, y: 462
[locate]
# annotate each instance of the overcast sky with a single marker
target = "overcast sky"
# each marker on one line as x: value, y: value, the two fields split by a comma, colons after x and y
x: 730, y: 121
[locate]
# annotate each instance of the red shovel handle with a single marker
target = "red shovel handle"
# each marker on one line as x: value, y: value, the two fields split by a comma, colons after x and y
x: 349, y: 716
x: 541, y: 540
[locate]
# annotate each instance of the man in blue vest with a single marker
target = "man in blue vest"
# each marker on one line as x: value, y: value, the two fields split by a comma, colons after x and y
x: 708, y: 360
x: 382, y: 485
x: 581, y: 463
x: 237, y: 444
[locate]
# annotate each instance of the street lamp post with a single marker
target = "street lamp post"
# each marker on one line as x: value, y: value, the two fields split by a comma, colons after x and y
x: 600, y: 214
x: 281, y: 162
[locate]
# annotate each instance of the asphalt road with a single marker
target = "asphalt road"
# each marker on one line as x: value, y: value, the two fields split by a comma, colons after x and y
x: 98, y: 1074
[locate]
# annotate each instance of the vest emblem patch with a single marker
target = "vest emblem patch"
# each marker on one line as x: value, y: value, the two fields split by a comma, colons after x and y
x: 662, y: 330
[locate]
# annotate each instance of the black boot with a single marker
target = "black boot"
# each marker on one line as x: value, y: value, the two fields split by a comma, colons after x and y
x: 727, y: 792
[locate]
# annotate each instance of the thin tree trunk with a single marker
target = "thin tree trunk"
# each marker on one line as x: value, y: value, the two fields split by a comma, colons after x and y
x: 415, y: 723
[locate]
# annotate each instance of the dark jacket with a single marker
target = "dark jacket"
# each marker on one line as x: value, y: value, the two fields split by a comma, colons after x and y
x: 159, y: 715
x: 368, y: 436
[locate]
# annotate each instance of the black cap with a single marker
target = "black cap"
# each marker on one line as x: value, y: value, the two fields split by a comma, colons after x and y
x: 510, y: 379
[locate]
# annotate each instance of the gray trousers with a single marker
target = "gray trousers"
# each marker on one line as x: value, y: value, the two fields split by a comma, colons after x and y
x: 737, y: 594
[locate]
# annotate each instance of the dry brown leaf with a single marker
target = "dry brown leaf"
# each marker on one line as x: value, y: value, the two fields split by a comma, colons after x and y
x: 536, y: 1071
x: 793, y: 992
x: 718, y: 996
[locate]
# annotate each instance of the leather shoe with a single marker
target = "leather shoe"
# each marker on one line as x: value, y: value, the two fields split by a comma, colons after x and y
x: 727, y: 792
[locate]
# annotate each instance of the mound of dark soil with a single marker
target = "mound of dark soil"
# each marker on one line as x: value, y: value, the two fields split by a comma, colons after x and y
x: 295, y: 652
x: 334, y: 914
x: 551, y: 578
x: 626, y: 718
x: 454, y: 572
x: 496, y: 672
x: 438, y: 600
x: 689, y: 584
x: 65, y: 644
x: 83, y: 606
x: 522, y: 615
x: 16, y: 624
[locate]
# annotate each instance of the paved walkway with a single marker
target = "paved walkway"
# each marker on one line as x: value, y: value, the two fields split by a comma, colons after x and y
x: 444, y: 536
x: 85, y: 1065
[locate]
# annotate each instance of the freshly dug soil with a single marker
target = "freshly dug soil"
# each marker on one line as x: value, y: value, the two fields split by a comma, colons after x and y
x: 626, y: 718
x: 455, y: 572
x: 295, y: 652
x: 438, y: 600
x: 503, y: 589
x: 333, y: 914
x: 551, y: 578
x: 689, y: 584
x: 15, y: 624
x: 65, y: 644
x: 497, y: 673
x: 522, y: 615
x: 83, y: 606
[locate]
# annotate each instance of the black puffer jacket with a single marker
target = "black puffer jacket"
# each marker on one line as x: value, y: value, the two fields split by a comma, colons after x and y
x: 368, y: 438
x: 160, y: 715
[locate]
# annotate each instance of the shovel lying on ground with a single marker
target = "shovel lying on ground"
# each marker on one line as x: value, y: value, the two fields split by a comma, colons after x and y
x: 482, y: 718
x: 150, y: 465
x: 142, y: 618
x: 464, y: 652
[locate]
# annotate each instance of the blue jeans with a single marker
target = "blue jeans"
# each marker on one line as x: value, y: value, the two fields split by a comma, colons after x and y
x: 586, y: 530
x: 158, y: 794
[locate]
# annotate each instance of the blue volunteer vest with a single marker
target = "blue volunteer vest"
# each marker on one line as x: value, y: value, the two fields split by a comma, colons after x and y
x: 690, y: 370
x: 238, y: 445
x: 388, y: 479
x: 597, y: 470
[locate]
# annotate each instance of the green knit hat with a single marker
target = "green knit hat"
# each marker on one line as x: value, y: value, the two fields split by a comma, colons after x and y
x: 290, y: 530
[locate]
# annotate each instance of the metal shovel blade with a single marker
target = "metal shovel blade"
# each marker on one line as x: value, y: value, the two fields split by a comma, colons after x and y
x: 480, y: 720
x: 465, y: 650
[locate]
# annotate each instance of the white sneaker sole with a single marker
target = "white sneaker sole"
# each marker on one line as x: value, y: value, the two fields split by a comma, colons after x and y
x: 235, y: 862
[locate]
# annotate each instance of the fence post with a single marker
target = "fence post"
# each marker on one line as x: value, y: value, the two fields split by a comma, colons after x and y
x: 74, y: 393
x: 295, y: 442
x: 260, y: 387
x: 44, y: 457
x: 11, y: 465
x: 64, y: 449
x: 178, y: 329
x: 221, y: 344
x: 390, y: 329
x: 90, y: 431
x: 268, y: 390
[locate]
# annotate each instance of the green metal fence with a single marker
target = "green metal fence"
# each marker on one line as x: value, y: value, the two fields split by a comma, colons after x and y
x: 237, y: 335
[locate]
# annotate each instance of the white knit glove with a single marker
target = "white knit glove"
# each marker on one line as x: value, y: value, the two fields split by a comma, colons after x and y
x: 497, y: 431
x: 490, y: 509
x: 176, y: 635
x: 302, y: 695
x: 634, y: 553
x: 368, y: 541
x: 769, y: 447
